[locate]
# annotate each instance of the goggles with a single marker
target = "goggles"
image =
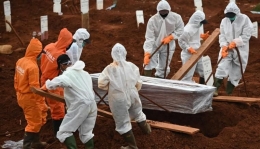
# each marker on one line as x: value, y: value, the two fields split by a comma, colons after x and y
x: 66, y: 63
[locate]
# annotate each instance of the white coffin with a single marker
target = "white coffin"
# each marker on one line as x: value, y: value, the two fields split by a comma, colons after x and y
x: 173, y: 95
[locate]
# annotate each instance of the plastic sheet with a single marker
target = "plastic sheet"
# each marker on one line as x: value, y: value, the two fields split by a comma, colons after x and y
x: 13, y: 145
x: 173, y: 95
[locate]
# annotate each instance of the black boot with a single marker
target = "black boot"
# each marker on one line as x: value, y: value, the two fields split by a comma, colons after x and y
x: 217, y: 84
x: 27, y: 140
x: 201, y: 80
x: 230, y: 88
x: 130, y: 139
x: 89, y: 144
x: 36, y: 143
x: 148, y: 73
x: 70, y: 142
x: 145, y: 127
x: 56, y: 125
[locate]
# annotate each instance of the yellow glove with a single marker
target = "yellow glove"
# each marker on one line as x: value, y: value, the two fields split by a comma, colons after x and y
x: 147, y: 58
x: 204, y: 36
x: 232, y: 45
x: 167, y: 39
x: 192, y: 51
x: 224, y: 52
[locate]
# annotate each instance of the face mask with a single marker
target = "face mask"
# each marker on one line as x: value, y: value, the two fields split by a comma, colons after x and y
x: 232, y: 19
x: 164, y: 15
x: 39, y: 57
x: 83, y: 44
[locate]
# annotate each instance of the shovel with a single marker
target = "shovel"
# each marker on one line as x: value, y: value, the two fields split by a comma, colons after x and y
x: 152, y: 56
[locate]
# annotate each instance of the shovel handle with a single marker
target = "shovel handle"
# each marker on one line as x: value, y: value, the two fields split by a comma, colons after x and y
x: 241, y: 69
x: 151, y: 57
x: 156, y: 50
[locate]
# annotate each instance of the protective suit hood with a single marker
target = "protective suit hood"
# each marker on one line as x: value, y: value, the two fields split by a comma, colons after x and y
x: 79, y: 65
x: 163, y: 5
x: 80, y: 35
x: 193, y: 25
x: 196, y: 18
x: 118, y: 53
x: 64, y: 39
x: 34, y: 48
x: 232, y: 7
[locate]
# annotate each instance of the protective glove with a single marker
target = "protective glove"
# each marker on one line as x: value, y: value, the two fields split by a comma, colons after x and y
x: 204, y: 36
x: 147, y: 58
x: 44, y: 88
x: 224, y: 52
x: 167, y: 39
x: 232, y: 45
x: 192, y: 51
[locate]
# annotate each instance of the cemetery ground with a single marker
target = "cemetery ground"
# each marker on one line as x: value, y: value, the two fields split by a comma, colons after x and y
x: 228, y: 126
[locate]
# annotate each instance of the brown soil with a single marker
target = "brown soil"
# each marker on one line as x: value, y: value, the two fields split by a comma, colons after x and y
x: 228, y: 126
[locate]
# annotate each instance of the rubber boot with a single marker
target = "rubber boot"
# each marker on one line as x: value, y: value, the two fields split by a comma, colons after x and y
x: 217, y: 84
x: 230, y: 88
x: 145, y: 127
x: 201, y: 80
x: 56, y: 125
x: 36, y: 143
x: 130, y: 139
x: 70, y: 142
x: 27, y: 140
x: 89, y: 144
x: 148, y: 73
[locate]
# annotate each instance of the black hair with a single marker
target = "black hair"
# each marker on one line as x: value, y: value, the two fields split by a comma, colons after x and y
x: 63, y: 59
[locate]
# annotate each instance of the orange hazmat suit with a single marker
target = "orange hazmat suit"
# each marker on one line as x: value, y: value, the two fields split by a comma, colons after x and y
x: 50, y: 69
x: 26, y: 76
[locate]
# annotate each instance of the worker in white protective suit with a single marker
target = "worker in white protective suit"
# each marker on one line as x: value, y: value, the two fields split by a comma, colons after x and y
x: 80, y: 39
x: 122, y: 80
x: 189, y: 42
x: 235, y: 32
x: 80, y: 101
x: 162, y: 28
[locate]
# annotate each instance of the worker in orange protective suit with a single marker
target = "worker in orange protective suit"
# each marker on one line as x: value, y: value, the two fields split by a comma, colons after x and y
x: 49, y: 71
x: 34, y: 107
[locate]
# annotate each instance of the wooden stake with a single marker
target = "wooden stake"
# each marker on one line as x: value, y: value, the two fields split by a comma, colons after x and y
x: 236, y: 99
x: 161, y: 125
x: 85, y: 20
x: 47, y: 94
x: 195, y: 57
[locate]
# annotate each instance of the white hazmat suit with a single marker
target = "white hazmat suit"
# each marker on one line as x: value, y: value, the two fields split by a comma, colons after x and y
x: 238, y: 31
x: 191, y: 39
x: 157, y: 29
x: 75, y: 50
x: 122, y: 80
x: 80, y: 101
